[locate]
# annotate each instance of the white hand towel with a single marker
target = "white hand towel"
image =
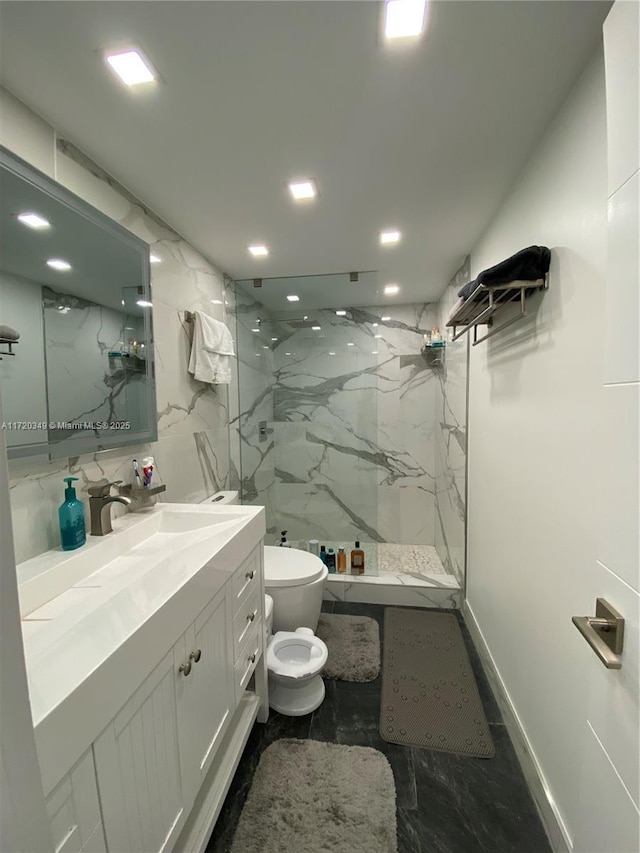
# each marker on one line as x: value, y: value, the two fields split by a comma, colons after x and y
x: 215, y: 335
x: 207, y: 364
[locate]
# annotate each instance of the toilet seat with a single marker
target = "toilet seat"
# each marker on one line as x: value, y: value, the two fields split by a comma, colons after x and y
x: 284, y: 656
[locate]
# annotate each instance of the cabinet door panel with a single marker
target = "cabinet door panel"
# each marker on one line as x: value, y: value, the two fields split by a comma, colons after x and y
x: 206, y: 698
x: 138, y: 769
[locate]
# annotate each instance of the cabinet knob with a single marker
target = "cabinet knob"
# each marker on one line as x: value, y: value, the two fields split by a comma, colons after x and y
x: 252, y: 658
x: 250, y: 575
x: 185, y: 668
x: 252, y: 616
x: 195, y: 656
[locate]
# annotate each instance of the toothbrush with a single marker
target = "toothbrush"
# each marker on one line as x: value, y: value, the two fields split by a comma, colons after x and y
x: 136, y: 472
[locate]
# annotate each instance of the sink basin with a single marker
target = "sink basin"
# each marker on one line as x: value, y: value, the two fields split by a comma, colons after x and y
x: 169, y: 540
x: 183, y: 522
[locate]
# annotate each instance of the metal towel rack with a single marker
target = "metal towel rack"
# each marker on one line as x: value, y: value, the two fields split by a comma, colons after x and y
x: 8, y: 343
x: 486, y: 301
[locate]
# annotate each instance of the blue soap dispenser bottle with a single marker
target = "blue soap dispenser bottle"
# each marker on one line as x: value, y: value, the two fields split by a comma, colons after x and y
x: 71, y: 516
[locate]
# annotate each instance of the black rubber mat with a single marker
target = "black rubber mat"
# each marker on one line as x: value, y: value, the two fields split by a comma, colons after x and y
x: 429, y: 694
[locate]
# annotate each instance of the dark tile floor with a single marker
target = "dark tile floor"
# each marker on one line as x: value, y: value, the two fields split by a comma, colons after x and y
x: 445, y: 803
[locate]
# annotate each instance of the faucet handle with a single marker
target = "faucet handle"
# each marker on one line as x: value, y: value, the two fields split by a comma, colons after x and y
x: 102, y: 490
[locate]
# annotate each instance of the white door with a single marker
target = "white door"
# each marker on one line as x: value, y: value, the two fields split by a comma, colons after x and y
x: 206, y: 695
x: 138, y: 769
x: 608, y: 779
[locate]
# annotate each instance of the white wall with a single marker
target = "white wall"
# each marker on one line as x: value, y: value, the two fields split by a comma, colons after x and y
x: 192, y: 451
x: 536, y: 431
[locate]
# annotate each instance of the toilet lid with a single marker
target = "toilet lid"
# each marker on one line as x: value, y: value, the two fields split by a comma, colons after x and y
x: 290, y: 567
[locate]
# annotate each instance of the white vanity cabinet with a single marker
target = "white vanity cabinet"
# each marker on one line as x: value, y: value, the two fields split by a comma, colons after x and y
x: 167, y: 744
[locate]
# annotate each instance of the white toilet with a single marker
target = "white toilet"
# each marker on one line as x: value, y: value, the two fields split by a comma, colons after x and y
x: 294, y: 579
x: 294, y: 661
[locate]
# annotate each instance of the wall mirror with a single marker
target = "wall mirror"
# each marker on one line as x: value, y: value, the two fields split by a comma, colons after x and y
x: 74, y: 285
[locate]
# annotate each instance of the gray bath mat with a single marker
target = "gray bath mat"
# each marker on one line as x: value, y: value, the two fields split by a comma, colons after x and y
x: 429, y: 695
x: 312, y: 797
x: 354, y: 647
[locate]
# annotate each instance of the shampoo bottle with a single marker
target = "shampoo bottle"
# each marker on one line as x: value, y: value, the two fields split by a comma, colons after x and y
x: 71, y: 516
x: 331, y: 561
x: 283, y: 540
x: 342, y: 560
x: 357, y: 560
x: 323, y: 554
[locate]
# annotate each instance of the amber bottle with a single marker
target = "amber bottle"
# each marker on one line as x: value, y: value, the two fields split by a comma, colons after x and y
x: 357, y: 560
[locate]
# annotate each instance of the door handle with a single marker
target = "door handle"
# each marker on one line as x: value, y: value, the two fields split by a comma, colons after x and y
x: 604, y: 632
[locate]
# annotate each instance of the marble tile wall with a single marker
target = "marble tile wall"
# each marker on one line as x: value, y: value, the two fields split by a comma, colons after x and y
x: 192, y: 450
x: 353, y: 419
x: 451, y: 438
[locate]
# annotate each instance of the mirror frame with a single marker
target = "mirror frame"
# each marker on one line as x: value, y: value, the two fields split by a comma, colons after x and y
x: 120, y: 438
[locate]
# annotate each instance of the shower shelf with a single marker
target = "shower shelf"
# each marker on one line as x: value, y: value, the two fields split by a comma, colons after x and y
x: 486, y: 302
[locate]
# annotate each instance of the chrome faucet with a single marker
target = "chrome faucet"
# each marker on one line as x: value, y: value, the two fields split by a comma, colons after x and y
x: 101, y: 500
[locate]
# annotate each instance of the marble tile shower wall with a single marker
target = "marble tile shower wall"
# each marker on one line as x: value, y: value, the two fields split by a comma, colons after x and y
x: 251, y: 401
x: 451, y: 439
x: 354, y: 440
x: 192, y: 450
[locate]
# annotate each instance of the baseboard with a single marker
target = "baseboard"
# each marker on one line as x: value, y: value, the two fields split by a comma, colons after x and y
x: 559, y: 838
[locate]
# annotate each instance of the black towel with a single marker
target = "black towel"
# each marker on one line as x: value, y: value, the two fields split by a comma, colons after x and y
x: 528, y: 264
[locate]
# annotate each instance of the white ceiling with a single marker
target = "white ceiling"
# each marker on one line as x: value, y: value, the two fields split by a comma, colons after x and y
x: 425, y: 136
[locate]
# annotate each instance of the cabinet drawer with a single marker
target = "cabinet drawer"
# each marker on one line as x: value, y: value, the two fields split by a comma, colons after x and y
x: 247, y: 579
x: 248, y: 657
x: 249, y: 612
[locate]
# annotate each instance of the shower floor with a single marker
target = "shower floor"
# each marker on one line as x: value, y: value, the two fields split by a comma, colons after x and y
x: 410, y: 575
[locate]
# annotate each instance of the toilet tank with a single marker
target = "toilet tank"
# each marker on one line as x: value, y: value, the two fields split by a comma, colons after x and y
x: 229, y: 498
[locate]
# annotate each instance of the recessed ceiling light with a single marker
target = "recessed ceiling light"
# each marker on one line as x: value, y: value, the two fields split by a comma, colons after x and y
x: 404, y: 18
x: 377, y: 336
x: 293, y: 298
x: 287, y: 353
x: 255, y: 330
x: 258, y: 251
x: 301, y: 190
x: 374, y: 352
x: 316, y: 328
x: 265, y: 347
x: 274, y: 339
x: 375, y: 325
x: 387, y: 238
x: 350, y: 344
x: 385, y: 319
x: 131, y: 68
x: 341, y: 313
x: 332, y: 353
x: 58, y: 264
x: 33, y: 220
x: 390, y: 289
x: 143, y: 303
x: 154, y: 259
x: 216, y: 301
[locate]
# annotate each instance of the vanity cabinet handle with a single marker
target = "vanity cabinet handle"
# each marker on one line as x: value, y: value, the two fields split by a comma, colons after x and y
x: 252, y: 616
x: 250, y: 575
x: 185, y: 668
x: 252, y: 658
x: 195, y: 656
